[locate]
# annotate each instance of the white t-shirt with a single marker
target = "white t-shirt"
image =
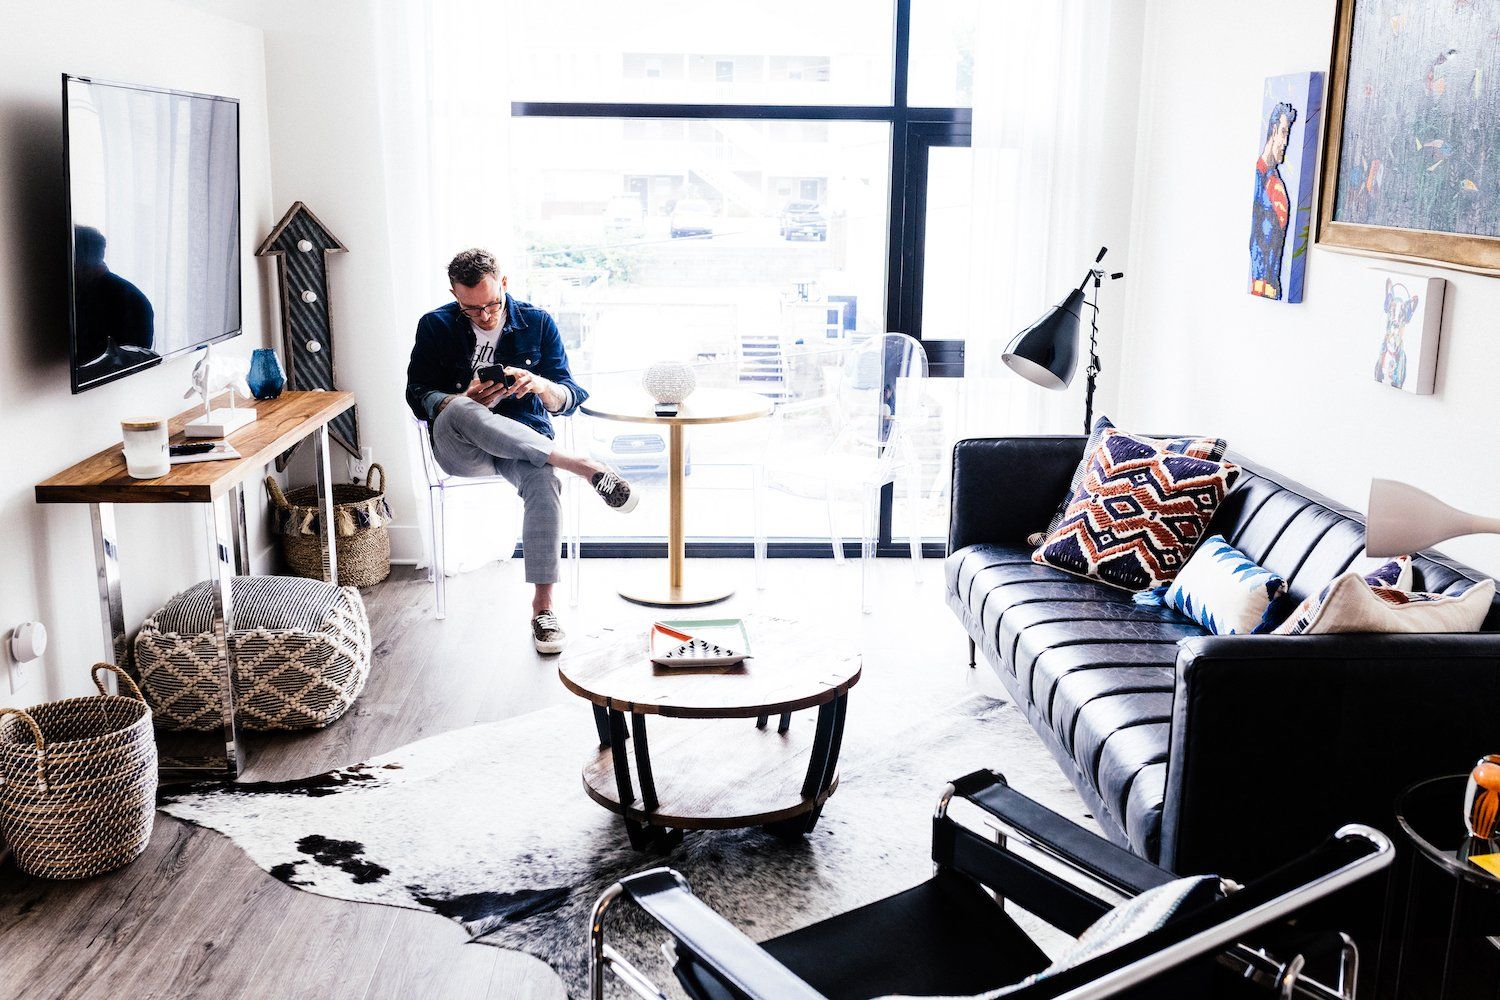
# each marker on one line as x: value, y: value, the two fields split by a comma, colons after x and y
x: 484, y: 345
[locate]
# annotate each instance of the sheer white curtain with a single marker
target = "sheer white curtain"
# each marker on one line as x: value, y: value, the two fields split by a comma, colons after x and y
x: 445, y: 116
x: 1039, y: 71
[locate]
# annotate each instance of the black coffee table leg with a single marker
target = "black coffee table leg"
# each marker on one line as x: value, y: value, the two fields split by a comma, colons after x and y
x: 643, y: 762
x: 821, y: 768
x: 642, y: 836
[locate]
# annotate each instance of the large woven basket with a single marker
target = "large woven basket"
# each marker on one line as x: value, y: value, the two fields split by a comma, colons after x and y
x: 360, y: 516
x: 78, y: 781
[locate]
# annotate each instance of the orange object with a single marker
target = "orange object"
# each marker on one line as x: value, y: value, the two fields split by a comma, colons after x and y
x: 1482, y: 797
x: 667, y: 630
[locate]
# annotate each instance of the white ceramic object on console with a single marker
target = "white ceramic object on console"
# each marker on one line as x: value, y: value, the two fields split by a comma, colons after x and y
x: 145, y: 447
x: 669, y: 381
x: 209, y: 376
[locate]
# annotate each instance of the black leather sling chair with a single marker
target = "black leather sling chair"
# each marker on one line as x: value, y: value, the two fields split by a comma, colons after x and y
x: 950, y: 936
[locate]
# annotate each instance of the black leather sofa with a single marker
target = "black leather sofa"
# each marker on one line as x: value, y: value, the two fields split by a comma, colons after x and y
x: 1203, y: 753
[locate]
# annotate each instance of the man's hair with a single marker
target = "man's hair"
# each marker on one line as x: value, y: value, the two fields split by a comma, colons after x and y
x: 88, y: 245
x: 468, y: 267
x: 1282, y: 110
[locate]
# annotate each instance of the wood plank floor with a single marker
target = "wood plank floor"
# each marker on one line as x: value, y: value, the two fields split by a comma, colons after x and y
x: 194, y: 917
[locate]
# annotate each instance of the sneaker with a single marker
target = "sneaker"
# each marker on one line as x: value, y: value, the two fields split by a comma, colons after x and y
x: 546, y: 635
x: 614, y: 491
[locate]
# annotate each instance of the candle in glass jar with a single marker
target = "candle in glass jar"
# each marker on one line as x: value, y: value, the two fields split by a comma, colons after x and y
x: 146, y: 447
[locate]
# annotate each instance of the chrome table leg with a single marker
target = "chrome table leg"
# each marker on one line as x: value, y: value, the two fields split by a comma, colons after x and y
x: 327, y: 534
x: 107, y: 567
x: 239, y: 527
x: 220, y: 580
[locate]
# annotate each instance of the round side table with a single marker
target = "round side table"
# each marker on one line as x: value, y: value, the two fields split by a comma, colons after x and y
x: 1449, y: 906
x: 705, y: 406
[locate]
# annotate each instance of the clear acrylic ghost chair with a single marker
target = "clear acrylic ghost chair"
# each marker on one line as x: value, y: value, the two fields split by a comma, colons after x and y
x: 865, y: 425
x: 439, y: 483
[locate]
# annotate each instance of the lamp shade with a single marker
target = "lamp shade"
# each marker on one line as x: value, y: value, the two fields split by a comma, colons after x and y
x: 1046, y: 352
x: 1404, y: 519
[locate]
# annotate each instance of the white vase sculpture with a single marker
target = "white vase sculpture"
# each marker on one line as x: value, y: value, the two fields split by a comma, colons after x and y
x: 669, y: 381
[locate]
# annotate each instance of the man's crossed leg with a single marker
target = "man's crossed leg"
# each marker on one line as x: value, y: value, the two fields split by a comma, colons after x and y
x: 469, y: 440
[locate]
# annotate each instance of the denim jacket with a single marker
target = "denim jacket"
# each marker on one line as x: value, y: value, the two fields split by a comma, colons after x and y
x: 442, y: 361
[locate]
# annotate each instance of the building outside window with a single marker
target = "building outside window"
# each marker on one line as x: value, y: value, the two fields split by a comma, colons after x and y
x: 756, y: 246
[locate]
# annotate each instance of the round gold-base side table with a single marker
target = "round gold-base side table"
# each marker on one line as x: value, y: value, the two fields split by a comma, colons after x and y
x: 705, y: 406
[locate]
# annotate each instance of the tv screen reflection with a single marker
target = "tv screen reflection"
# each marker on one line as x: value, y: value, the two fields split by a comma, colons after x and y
x: 154, y: 190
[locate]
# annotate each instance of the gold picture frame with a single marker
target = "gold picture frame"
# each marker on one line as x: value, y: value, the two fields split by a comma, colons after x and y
x: 1460, y: 251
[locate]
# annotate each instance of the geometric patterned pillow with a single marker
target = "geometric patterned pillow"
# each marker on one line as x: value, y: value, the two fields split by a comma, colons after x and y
x: 1221, y: 589
x: 1138, y: 514
x: 1351, y: 604
x: 1212, y: 449
x: 1395, y: 574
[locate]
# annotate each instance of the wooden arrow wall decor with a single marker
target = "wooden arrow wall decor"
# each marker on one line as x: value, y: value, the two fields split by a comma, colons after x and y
x: 301, y: 245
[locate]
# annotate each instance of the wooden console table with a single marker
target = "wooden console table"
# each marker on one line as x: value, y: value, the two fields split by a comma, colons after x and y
x: 218, y: 488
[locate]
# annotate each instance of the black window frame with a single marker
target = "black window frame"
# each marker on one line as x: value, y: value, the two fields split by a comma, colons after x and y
x: 914, y: 130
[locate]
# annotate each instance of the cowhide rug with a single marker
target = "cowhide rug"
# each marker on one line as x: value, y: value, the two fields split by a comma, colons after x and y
x: 490, y: 826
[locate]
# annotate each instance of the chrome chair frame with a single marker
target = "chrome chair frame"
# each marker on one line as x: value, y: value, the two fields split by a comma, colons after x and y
x: 440, y: 482
x: 1092, y: 866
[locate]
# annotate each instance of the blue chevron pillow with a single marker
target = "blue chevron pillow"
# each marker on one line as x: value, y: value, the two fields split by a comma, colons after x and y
x: 1221, y: 589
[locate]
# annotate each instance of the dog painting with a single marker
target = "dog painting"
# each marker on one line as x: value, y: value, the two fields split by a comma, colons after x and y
x: 1413, y: 307
x: 1400, y: 304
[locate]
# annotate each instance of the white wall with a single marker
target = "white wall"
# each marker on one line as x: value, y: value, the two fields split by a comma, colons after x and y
x: 47, y: 570
x: 1287, y: 385
x: 323, y: 85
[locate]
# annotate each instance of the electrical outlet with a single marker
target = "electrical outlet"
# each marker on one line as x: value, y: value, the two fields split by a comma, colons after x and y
x: 22, y: 674
x: 359, y: 467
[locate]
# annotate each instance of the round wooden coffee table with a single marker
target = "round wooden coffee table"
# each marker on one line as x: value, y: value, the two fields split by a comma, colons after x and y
x: 712, y: 776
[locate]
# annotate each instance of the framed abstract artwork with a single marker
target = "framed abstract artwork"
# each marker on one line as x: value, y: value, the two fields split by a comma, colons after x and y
x: 1411, y: 321
x: 1291, y: 111
x: 1411, y: 159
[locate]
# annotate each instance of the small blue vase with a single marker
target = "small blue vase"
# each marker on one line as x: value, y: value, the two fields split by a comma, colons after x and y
x: 265, y: 378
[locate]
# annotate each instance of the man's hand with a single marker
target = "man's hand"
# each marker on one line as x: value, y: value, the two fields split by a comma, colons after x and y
x: 528, y: 383
x: 486, y: 394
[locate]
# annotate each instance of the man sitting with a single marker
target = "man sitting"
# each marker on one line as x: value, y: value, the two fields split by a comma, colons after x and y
x: 501, y: 425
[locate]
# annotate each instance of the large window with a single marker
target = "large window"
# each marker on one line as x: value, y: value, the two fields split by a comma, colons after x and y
x: 734, y: 188
x: 787, y: 52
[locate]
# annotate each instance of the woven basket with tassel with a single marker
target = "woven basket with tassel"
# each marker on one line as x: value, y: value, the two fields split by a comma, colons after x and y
x: 360, y: 516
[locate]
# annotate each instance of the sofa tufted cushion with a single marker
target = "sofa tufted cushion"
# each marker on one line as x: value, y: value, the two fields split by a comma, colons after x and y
x: 1090, y: 667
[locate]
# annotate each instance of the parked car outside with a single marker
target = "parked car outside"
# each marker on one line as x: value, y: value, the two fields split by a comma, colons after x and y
x: 624, y: 216
x: 637, y: 454
x: 804, y: 220
x: 692, y: 218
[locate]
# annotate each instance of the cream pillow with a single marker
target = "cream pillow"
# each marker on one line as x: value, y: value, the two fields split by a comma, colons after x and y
x: 1349, y: 604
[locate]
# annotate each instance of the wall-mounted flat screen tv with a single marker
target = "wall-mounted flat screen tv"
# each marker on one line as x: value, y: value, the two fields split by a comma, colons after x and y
x: 154, y: 199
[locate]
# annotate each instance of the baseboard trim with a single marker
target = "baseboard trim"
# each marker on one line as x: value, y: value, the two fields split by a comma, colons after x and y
x: 407, y: 549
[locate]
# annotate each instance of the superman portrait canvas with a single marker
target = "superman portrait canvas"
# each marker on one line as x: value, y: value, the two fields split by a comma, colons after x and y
x: 1281, y: 208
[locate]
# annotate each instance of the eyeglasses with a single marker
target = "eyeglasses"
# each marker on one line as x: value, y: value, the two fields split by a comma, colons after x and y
x: 484, y: 310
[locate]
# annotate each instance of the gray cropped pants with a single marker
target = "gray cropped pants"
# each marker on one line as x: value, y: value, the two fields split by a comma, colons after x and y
x: 468, y: 440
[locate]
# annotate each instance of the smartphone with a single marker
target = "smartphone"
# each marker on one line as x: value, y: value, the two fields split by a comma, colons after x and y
x: 198, y: 448
x: 495, y: 373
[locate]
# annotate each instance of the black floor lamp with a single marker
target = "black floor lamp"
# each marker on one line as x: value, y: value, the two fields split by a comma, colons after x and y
x: 1046, y: 352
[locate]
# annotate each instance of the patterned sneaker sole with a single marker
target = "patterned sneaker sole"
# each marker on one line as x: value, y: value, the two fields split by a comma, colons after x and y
x: 547, y: 648
x: 629, y: 504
